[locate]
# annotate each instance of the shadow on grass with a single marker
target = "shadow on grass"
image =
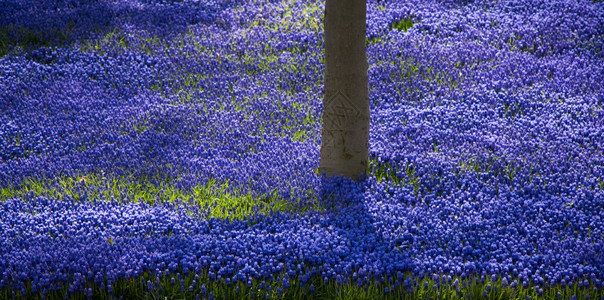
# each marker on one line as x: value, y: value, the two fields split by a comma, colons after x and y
x: 31, y: 24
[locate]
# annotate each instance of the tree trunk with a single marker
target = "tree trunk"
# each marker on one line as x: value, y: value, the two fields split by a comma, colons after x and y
x: 345, y: 133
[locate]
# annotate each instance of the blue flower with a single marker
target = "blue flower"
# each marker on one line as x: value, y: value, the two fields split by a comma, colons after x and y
x: 459, y: 171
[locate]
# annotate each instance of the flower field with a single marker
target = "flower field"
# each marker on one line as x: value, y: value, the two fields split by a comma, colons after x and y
x: 153, y: 149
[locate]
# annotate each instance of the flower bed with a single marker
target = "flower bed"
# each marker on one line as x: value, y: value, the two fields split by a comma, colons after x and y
x: 120, y: 119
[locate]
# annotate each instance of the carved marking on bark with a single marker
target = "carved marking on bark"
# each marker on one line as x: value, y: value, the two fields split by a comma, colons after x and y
x: 338, y: 113
x: 330, y: 143
x: 340, y: 109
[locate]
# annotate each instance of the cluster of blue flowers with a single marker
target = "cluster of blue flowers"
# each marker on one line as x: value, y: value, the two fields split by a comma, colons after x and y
x: 486, y: 140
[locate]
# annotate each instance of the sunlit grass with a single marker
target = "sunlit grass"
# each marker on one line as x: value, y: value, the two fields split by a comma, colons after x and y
x: 215, y: 200
x: 224, y: 202
x: 403, y: 24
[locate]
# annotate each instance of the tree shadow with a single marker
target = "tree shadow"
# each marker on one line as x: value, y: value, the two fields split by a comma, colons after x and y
x: 364, y: 250
x: 31, y: 24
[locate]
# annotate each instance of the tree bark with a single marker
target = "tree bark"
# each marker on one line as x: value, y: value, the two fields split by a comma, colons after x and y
x: 345, y: 132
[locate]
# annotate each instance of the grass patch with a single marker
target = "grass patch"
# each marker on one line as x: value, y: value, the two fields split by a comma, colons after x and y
x: 199, y: 285
x: 216, y: 200
x: 14, y: 36
x: 386, y: 172
x: 403, y: 24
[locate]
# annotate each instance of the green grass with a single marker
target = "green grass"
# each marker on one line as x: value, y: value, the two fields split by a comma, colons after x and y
x: 226, y: 202
x: 470, y: 288
x: 391, y: 173
x: 403, y: 25
x: 12, y: 36
x: 222, y: 200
